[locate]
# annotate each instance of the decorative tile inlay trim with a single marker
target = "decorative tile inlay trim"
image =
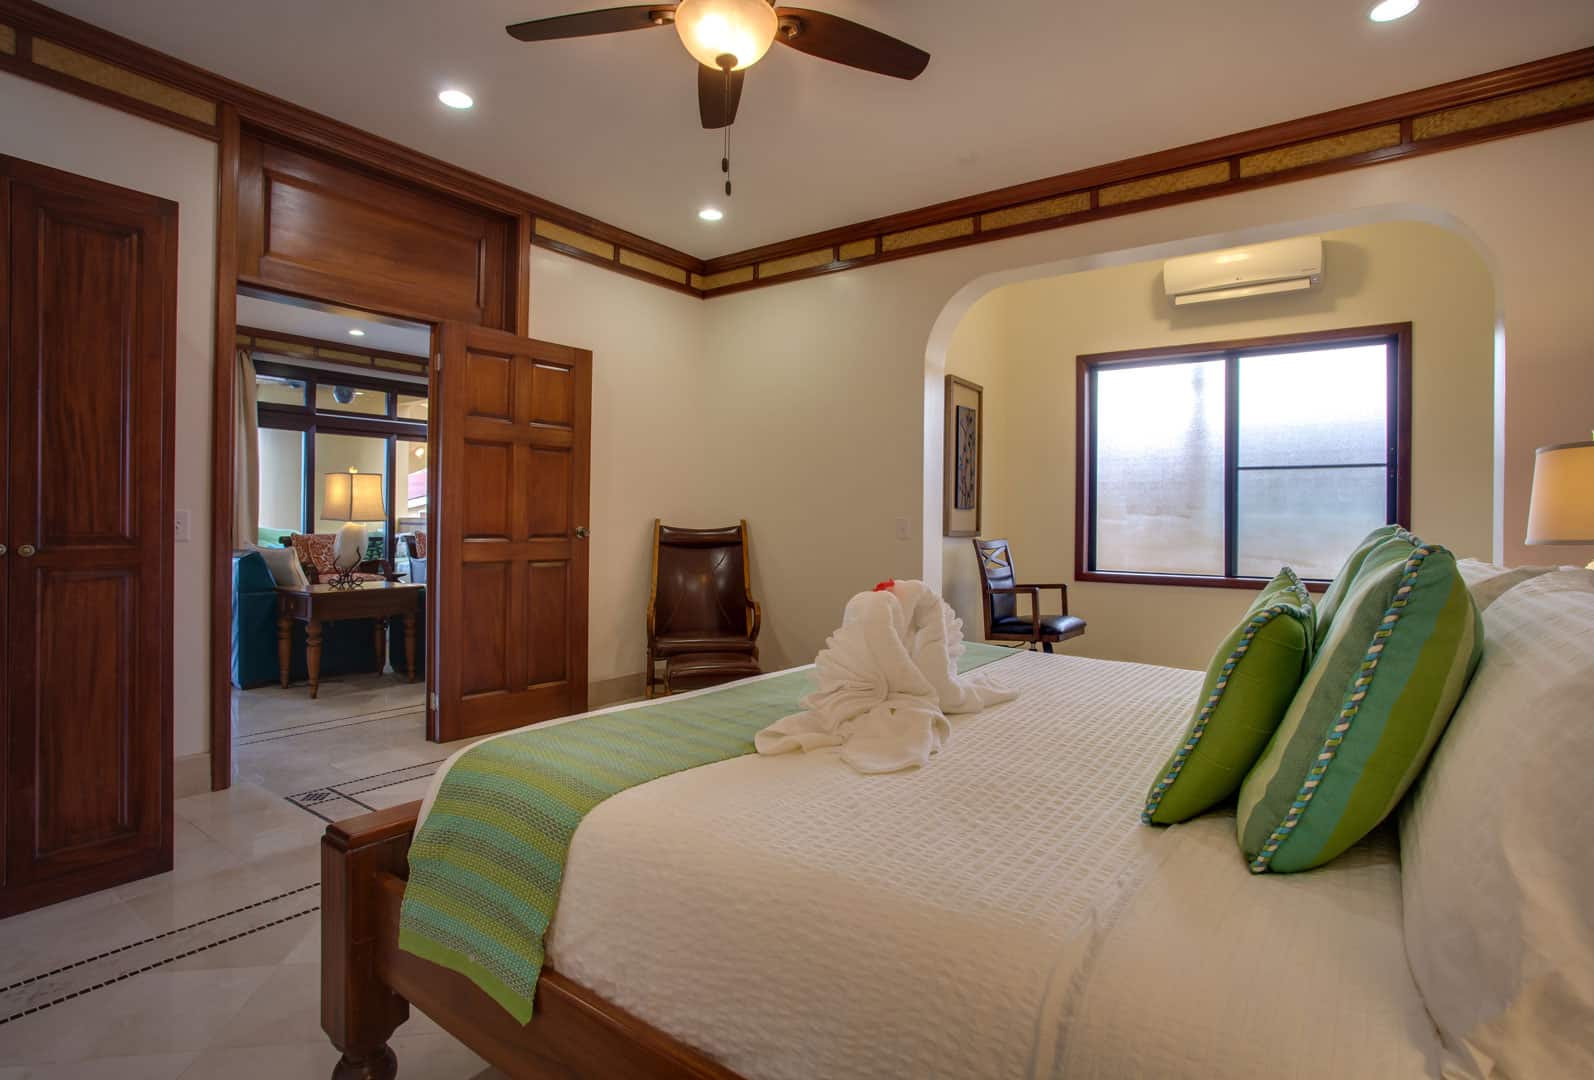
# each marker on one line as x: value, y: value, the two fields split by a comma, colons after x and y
x: 1329, y: 149
x: 928, y: 234
x: 1166, y: 184
x: 338, y: 801
x: 318, y: 726
x: 549, y: 230
x: 806, y: 261
x: 69, y: 981
x: 652, y: 266
x: 8, y: 40
x: 1035, y: 211
x: 858, y: 249
x: 96, y: 72
x: 1546, y: 99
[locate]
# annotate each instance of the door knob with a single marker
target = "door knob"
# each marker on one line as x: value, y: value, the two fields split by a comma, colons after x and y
x: 2, y: 549
x: 26, y: 551
x: 581, y: 532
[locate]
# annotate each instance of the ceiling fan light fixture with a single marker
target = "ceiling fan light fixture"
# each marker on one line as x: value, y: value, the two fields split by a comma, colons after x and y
x: 711, y: 29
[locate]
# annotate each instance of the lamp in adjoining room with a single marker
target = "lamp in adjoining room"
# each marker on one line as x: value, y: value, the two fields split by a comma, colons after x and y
x: 1561, y: 508
x: 353, y: 498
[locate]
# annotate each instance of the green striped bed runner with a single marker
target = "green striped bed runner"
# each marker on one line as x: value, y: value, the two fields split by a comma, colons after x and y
x: 486, y: 864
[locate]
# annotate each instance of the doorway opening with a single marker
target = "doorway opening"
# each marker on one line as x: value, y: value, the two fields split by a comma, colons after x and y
x: 333, y: 452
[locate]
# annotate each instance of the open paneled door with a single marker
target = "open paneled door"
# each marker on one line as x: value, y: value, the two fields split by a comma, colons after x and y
x: 511, y: 439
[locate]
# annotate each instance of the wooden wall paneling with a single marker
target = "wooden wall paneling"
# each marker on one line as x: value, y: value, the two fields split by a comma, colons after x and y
x: 521, y: 279
x: 93, y: 286
x: 328, y: 228
x: 224, y: 376
x: 6, y: 540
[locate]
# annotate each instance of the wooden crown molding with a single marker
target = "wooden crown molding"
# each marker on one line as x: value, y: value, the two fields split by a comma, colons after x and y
x: 47, y: 46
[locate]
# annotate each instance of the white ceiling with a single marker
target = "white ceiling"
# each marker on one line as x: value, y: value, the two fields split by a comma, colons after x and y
x: 287, y: 316
x: 1016, y: 90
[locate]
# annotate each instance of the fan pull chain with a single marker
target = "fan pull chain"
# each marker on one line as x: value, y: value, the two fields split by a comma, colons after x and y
x: 727, y: 64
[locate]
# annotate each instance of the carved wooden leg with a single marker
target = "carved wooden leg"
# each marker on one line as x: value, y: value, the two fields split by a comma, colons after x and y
x: 409, y: 645
x: 1046, y: 646
x: 284, y: 646
x: 312, y: 654
x: 379, y: 639
x: 358, y: 1011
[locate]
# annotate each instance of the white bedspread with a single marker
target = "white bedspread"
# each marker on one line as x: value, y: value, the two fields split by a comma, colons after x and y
x: 977, y: 918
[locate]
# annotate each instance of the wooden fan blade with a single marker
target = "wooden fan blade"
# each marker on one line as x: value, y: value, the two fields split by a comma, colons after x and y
x: 589, y: 23
x: 831, y: 37
x: 711, y: 96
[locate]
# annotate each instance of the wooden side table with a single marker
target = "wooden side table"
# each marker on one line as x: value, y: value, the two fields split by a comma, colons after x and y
x: 317, y: 604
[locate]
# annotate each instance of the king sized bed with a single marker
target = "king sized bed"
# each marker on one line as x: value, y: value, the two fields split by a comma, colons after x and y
x: 999, y: 913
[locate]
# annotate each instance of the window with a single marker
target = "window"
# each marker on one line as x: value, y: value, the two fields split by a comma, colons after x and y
x: 314, y: 421
x: 1217, y: 464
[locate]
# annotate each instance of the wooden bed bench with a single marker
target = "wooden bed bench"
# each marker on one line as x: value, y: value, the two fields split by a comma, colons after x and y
x: 368, y: 985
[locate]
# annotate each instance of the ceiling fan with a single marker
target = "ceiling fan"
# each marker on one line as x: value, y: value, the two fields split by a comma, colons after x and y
x: 728, y: 36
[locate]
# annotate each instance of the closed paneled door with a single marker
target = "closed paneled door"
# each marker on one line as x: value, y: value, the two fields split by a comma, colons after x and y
x: 512, y: 430
x: 86, y: 520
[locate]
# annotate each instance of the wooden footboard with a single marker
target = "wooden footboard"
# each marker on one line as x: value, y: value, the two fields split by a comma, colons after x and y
x: 368, y: 985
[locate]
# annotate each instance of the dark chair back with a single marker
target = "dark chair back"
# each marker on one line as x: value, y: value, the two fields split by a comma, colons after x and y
x: 996, y: 572
x: 701, y: 581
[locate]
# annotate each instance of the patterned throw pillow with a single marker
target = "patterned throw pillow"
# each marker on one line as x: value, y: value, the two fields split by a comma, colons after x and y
x: 1386, y: 679
x: 1334, y: 595
x: 1249, y: 684
x: 315, y: 550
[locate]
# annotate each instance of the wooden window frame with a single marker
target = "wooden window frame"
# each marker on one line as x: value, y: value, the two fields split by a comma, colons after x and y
x: 310, y: 422
x: 1396, y: 336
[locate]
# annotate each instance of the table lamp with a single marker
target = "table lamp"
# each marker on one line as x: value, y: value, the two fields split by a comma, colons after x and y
x: 1561, y: 507
x: 353, y: 498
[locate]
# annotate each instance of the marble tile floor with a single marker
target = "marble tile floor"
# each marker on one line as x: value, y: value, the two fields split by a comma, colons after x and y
x: 212, y: 970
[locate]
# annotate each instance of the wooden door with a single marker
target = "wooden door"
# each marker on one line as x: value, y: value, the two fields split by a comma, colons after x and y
x: 87, y: 522
x: 511, y: 425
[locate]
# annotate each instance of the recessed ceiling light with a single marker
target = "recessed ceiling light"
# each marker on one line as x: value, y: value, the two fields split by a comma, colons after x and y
x: 1390, y: 10
x: 709, y: 213
x: 456, y: 99
x: 356, y: 333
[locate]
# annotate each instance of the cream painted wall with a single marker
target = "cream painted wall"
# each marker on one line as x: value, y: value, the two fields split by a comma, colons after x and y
x: 1390, y: 272
x: 833, y: 385
x: 44, y: 125
x: 649, y: 420
x: 979, y: 353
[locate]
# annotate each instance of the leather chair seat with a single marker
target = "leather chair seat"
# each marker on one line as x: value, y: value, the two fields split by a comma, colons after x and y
x: 1058, y: 626
x: 697, y: 670
x: 666, y: 645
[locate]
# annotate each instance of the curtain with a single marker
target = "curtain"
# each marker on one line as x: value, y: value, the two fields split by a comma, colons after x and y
x: 246, y: 455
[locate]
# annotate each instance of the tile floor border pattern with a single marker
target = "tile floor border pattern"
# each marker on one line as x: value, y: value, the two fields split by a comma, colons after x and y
x: 194, y: 936
x: 316, y: 727
x: 344, y: 792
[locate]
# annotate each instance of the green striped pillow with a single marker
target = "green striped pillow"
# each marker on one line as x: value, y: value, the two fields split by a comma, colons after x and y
x: 1337, y: 589
x: 1249, y: 684
x: 1380, y: 693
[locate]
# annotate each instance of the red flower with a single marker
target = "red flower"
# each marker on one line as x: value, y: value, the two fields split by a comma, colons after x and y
x: 886, y: 586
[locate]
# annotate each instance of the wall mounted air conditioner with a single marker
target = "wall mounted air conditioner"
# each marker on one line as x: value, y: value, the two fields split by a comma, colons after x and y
x: 1255, y: 270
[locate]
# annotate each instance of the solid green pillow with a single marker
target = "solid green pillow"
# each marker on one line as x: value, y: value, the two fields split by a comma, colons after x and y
x: 1334, y: 595
x: 1249, y: 684
x: 1377, y: 698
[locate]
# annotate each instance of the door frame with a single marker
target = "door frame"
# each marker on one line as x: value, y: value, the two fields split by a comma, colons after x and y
x: 224, y: 368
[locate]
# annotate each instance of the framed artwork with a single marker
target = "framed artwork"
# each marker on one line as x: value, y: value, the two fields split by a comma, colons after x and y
x: 965, y: 435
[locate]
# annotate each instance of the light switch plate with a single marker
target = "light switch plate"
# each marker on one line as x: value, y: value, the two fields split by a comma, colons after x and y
x: 183, y: 533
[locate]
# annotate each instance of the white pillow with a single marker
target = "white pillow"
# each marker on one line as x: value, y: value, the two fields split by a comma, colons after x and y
x: 283, y: 562
x: 1487, y: 581
x: 1498, y: 865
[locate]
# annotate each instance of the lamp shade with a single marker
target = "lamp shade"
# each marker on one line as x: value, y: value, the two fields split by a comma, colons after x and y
x: 744, y: 29
x: 1561, y: 508
x: 353, y: 497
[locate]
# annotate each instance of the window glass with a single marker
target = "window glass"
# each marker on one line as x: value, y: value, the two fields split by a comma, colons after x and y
x: 281, y: 484
x: 411, y: 407
x: 1308, y: 519
x: 279, y: 390
x: 1159, y: 468
x: 408, y: 497
x: 1314, y: 407
x: 330, y: 397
